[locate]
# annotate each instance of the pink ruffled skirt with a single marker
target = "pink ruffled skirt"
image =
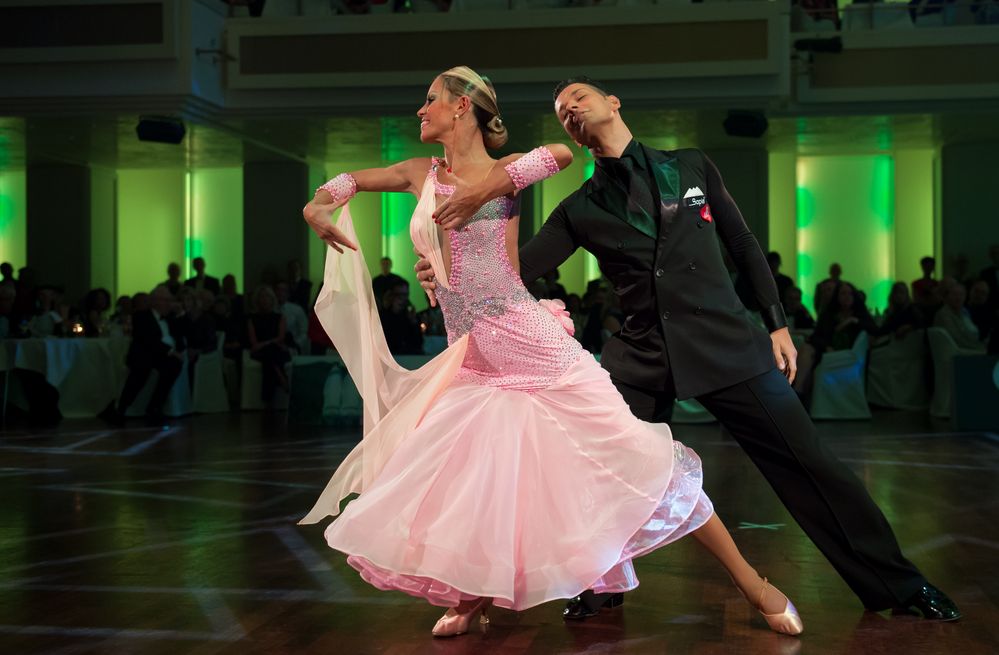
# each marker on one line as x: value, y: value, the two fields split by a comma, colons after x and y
x: 523, y: 497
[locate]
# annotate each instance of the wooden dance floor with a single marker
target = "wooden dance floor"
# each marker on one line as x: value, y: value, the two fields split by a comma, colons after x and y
x: 182, y: 539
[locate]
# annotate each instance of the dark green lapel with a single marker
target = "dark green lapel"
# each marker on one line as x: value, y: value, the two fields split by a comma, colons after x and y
x: 667, y: 174
x: 612, y: 197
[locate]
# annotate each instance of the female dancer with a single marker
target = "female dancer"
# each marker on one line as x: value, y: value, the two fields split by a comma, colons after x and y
x: 508, y: 470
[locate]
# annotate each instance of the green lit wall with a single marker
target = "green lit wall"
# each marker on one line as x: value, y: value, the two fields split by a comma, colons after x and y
x: 103, y: 228
x: 782, y: 212
x: 13, y: 214
x: 846, y: 214
x: 152, y: 211
x: 575, y: 272
x: 915, y: 194
x: 215, y: 220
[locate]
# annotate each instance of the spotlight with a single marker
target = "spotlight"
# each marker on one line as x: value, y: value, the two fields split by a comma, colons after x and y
x: 161, y: 129
x: 749, y: 124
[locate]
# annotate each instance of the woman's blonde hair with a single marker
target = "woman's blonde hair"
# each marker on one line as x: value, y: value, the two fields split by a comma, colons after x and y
x: 463, y: 81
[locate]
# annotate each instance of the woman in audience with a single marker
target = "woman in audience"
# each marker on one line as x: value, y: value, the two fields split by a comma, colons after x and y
x: 95, y: 304
x: 266, y: 333
x: 955, y: 319
x: 983, y: 314
x: 797, y: 314
x: 902, y: 316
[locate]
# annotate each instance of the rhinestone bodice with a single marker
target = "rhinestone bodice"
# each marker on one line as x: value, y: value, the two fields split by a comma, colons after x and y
x: 514, y: 342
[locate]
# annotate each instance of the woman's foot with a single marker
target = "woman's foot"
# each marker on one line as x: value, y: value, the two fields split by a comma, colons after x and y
x: 776, y: 608
x: 459, y: 620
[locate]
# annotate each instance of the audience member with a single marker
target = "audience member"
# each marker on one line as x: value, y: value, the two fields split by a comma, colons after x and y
x: 95, y: 304
x: 52, y: 318
x: 923, y: 289
x: 197, y: 324
x: 295, y: 318
x: 783, y: 282
x: 555, y: 290
x: 953, y: 317
x: 237, y: 307
x: 200, y: 279
x: 299, y: 289
x: 157, y: 345
x: 991, y: 276
x: 8, y: 320
x: 173, y: 283
x: 901, y: 316
x: 385, y: 281
x: 399, y: 322
x: 837, y: 328
x: 26, y: 300
x: 797, y: 314
x: 825, y: 291
x: 7, y: 274
x: 981, y: 312
x: 432, y: 321
x: 121, y: 319
x: 266, y: 332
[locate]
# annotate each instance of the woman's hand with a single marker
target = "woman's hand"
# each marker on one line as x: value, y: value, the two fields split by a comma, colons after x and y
x: 425, y: 274
x: 461, y: 206
x: 318, y: 217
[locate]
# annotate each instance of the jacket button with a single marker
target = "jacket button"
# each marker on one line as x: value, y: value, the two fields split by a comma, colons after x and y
x: 698, y: 311
x: 692, y: 266
x: 666, y: 316
x: 659, y: 272
x: 620, y: 245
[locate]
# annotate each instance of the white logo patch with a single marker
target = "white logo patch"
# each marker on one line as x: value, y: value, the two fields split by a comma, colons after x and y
x: 693, y: 191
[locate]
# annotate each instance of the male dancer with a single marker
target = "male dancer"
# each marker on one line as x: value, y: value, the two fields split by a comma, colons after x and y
x: 653, y: 220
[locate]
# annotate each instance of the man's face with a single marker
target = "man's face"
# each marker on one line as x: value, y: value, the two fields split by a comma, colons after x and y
x: 198, y: 265
x: 582, y: 109
x: 386, y: 266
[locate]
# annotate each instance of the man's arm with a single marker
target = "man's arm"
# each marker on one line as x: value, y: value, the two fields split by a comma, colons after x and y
x: 748, y: 257
x: 743, y: 248
x: 549, y: 248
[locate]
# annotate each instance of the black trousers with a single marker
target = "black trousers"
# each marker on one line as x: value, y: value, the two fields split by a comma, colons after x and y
x: 826, y: 498
x: 139, y: 370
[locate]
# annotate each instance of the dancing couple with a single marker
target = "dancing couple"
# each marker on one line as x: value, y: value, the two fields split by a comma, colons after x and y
x: 512, y: 469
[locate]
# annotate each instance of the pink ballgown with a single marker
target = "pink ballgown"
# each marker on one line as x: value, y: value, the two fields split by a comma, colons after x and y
x: 509, y: 466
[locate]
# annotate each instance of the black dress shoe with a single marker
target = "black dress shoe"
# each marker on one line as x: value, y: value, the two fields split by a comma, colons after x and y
x: 588, y: 604
x: 932, y: 604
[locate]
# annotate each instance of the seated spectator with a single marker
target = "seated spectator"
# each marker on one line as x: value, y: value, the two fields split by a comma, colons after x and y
x: 432, y: 321
x: 52, y: 319
x: 797, y: 314
x: 172, y: 282
x: 982, y: 313
x: 201, y: 280
x: 95, y: 304
x: 157, y: 345
x: 25, y: 302
x: 299, y: 289
x: 399, y: 322
x: 121, y: 319
x: 901, y: 315
x: 953, y: 317
x: 8, y: 320
x: 237, y: 308
x: 267, y: 332
x: 385, y: 281
x: 295, y: 318
x: 197, y: 324
x: 839, y: 325
x: 991, y: 275
x: 555, y: 290
x: 574, y: 305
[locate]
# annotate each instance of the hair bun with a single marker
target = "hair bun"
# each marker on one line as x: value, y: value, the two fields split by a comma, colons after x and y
x: 495, y: 134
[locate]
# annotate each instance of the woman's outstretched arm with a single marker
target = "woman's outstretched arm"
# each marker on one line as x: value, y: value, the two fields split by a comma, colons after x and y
x: 403, y: 176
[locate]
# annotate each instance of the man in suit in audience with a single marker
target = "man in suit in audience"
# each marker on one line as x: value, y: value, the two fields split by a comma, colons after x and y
x: 200, y: 280
x: 157, y: 345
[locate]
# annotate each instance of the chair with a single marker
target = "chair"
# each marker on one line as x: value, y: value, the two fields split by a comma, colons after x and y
x: 178, y: 401
x: 251, y: 383
x: 943, y: 349
x: 209, y: 381
x: 838, y: 391
x: 896, y: 377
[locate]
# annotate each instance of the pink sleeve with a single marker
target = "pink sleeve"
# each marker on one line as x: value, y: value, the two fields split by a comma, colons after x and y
x: 533, y: 167
x: 341, y: 187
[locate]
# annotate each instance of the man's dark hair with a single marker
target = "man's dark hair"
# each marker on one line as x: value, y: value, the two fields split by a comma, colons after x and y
x: 582, y: 79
